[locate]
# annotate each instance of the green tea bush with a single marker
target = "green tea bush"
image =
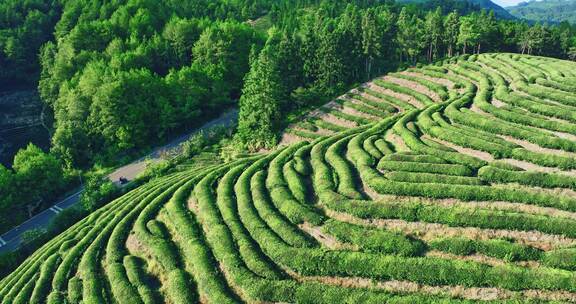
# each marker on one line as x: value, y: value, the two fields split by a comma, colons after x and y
x: 447, y: 169
x: 434, y: 87
x: 362, y: 108
x: 396, y: 102
x: 424, y: 99
x: 384, y: 107
x: 561, y: 258
x: 345, y: 116
x: 538, y: 179
x: 415, y: 177
x: 500, y: 249
x: 374, y: 240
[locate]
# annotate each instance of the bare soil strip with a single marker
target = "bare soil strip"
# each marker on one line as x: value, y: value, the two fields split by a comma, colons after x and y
x: 564, y: 135
x: 354, y: 112
x: 497, y: 103
x: 491, y: 205
x: 364, y: 114
x: 375, y: 99
x: 396, y: 141
x: 288, y: 139
x: 474, y: 108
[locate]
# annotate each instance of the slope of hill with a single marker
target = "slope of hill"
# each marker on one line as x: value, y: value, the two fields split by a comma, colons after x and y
x: 551, y: 11
x: 463, y: 6
x: 451, y: 182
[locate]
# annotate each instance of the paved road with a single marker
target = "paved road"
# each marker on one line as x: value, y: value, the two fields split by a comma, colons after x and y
x: 11, y: 239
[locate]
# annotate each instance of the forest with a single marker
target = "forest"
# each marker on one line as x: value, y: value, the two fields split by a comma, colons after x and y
x: 121, y: 76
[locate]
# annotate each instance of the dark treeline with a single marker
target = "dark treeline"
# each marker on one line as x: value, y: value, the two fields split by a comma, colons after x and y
x: 120, y: 76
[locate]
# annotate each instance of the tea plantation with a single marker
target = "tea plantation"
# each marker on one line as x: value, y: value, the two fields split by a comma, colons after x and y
x: 449, y: 183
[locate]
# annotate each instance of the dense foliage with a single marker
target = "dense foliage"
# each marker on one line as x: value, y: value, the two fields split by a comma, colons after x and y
x: 36, y: 179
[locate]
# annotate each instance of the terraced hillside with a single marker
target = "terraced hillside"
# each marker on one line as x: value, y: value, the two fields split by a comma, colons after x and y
x: 449, y: 183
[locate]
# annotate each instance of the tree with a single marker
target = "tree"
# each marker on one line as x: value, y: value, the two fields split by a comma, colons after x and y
x: 371, y: 46
x: 488, y: 30
x: 222, y: 52
x: 260, y: 103
x: 182, y: 34
x: 470, y: 33
x: 331, y: 71
x: 39, y: 172
x: 286, y: 50
x: 410, y: 35
x: 434, y: 31
x: 350, y: 25
x: 451, y: 31
x: 572, y: 53
x: 8, y: 195
x: 532, y: 38
x: 98, y: 190
x: 129, y: 109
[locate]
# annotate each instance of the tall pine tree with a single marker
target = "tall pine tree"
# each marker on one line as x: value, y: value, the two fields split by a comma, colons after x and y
x: 262, y: 96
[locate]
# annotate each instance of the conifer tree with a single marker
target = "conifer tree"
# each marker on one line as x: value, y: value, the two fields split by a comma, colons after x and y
x: 262, y: 95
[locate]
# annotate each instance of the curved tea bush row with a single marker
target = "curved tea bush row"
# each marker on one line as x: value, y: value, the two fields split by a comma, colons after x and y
x: 314, y: 222
x: 398, y: 103
x: 432, y: 86
x: 362, y: 108
x: 538, y: 179
x: 381, y: 105
x: 501, y: 249
x: 424, y: 99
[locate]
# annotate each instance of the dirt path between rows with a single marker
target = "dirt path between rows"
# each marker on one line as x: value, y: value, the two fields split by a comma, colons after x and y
x: 396, y: 141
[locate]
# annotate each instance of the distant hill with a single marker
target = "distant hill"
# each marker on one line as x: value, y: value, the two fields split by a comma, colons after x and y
x: 489, y: 5
x: 463, y: 6
x: 551, y: 11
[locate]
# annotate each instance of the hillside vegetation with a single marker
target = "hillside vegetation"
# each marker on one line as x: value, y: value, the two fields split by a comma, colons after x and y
x: 451, y: 182
x: 551, y: 11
